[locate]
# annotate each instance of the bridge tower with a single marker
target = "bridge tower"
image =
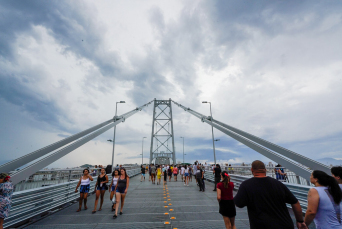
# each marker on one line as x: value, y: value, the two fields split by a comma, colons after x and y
x: 162, y: 139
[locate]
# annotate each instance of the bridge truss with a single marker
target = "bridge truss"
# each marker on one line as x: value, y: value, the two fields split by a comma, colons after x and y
x: 162, y: 123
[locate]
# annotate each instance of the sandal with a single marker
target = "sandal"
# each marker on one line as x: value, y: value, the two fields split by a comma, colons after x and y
x: 85, y: 208
x: 78, y: 210
x: 120, y: 213
x: 100, y: 209
x: 115, y: 216
x: 93, y: 212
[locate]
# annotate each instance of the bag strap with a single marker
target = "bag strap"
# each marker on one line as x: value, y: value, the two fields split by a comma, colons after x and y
x: 336, y: 206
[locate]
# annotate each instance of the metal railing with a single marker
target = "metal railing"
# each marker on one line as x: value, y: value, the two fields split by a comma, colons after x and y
x: 299, y: 191
x: 56, y: 176
x: 290, y: 177
x: 34, y: 202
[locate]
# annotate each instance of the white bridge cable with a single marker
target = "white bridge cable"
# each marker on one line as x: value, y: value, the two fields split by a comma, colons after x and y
x: 18, y: 162
x: 247, y: 139
x: 42, y: 163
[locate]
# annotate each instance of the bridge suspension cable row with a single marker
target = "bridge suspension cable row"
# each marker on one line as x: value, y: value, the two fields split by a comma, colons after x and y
x: 256, y: 143
x: 91, y: 134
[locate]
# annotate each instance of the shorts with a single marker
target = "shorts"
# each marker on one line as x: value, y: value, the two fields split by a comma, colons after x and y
x: 120, y: 190
x: 104, y: 187
x: 153, y: 174
x: 186, y: 174
x: 143, y: 174
x: 85, y: 188
x: 227, y: 208
x: 175, y: 174
x: 113, y: 188
x: 170, y: 174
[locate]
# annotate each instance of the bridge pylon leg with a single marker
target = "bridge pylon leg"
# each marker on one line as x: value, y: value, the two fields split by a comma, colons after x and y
x: 162, y: 149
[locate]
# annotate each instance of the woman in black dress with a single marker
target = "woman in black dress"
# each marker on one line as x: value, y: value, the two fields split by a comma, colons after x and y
x: 100, y: 187
x: 225, y: 199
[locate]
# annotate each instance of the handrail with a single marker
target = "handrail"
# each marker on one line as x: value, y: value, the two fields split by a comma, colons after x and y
x: 299, y: 191
x: 33, y: 202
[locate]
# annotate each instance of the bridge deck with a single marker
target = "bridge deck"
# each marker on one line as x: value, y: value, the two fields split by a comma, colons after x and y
x: 145, y: 208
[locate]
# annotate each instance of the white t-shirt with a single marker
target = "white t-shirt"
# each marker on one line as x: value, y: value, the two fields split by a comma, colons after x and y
x: 195, y: 168
x: 186, y: 170
x: 167, y: 167
x: 182, y: 170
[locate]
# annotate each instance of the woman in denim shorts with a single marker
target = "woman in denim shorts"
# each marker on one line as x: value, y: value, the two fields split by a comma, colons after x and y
x: 100, y: 187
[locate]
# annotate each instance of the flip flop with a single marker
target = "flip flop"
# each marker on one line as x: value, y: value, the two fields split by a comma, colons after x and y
x: 78, y: 210
x: 93, y: 212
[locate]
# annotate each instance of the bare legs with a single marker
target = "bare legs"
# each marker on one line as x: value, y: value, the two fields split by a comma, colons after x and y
x: 111, y: 197
x: 83, y: 197
x: 120, y: 197
x: 98, y: 194
x: 187, y: 180
x: 229, y: 222
x: 1, y: 223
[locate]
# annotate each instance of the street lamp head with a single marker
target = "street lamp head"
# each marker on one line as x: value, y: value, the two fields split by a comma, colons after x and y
x: 144, y: 137
x: 217, y: 140
x: 110, y: 140
x: 122, y: 102
x: 204, y: 102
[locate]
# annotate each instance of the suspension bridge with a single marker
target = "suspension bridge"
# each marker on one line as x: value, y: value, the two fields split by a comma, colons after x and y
x: 146, y: 205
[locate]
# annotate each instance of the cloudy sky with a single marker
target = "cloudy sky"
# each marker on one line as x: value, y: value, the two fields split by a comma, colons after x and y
x: 271, y: 68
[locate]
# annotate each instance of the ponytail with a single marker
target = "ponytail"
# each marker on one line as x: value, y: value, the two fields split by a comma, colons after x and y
x: 226, y: 179
x: 330, y: 182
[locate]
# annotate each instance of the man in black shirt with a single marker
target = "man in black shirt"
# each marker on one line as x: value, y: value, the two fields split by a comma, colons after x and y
x: 266, y: 200
x: 143, y: 171
x: 217, y: 172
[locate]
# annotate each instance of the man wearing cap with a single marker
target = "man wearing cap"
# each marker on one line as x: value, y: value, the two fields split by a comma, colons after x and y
x: 266, y: 199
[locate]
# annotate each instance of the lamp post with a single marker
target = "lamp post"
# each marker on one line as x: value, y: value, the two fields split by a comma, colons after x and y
x: 212, y: 130
x: 183, y: 149
x: 142, y: 151
x: 116, y: 110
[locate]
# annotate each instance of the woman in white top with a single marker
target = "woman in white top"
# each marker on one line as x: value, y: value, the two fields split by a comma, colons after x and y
x: 186, y: 175
x: 324, y: 202
x: 115, y: 176
x: 84, y: 190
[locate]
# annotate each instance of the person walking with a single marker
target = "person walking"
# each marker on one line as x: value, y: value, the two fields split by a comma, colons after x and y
x: 159, y: 173
x: 169, y: 173
x: 115, y: 176
x: 6, y: 192
x: 149, y: 173
x: 175, y: 173
x: 121, y: 191
x: 153, y: 174
x: 100, y: 187
x: 324, y: 202
x: 190, y: 173
x: 143, y: 170
x: 336, y: 172
x: 217, y: 172
x: 84, y: 190
x: 165, y: 174
x: 182, y: 172
x: 226, y: 202
x: 199, y: 178
x: 186, y: 175
x: 266, y: 199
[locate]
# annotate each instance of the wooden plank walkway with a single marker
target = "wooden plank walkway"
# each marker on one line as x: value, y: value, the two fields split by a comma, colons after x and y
x: 145, y: 207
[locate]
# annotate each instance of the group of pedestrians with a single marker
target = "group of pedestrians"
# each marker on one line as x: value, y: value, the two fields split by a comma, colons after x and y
x: 266, y: 199
x: 117, y: 189
x: 167, y: 171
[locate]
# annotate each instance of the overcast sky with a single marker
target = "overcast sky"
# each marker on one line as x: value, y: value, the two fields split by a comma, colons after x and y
x: 271, y: 68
